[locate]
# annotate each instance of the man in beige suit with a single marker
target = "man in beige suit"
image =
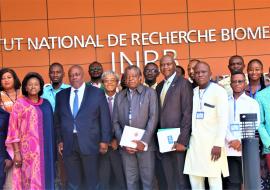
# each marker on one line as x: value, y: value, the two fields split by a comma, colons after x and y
x: 206, y: 154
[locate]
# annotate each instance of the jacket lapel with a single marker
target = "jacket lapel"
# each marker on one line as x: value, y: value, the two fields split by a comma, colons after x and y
x: 85, y: 94
x: 169, y: 91
x: 68, y: 100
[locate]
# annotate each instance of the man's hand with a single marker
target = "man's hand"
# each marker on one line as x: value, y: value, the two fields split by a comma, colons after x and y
x: 179, y: 147
x: 114, y: 144
x: 8, y: 164
x: 103, y: 148
x: 215, y: 153
x: 140, y: 146
x: 130, y: 150
x: 235, y: 144
x: 60, y: 148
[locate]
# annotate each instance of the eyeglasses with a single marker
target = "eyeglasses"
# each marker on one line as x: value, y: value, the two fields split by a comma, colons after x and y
x: 92, y: 69
x: 151, y: 70
x: 234, y: 82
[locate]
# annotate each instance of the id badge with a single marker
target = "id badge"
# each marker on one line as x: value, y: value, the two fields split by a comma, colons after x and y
x: 235, y: 127
x: 199, y: 115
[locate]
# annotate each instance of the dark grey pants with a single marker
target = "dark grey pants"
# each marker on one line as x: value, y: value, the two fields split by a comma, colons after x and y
x: 139, y: 167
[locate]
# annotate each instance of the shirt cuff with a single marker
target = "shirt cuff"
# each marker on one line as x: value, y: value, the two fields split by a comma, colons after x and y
x: 145, y: 146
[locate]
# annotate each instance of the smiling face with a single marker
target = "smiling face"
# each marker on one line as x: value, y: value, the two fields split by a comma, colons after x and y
x: 110, y: 83
x: 167, y: 66
x: 7, y: 81
x: 254, y: 71
x: 95, y: 70
x: 33, y: 86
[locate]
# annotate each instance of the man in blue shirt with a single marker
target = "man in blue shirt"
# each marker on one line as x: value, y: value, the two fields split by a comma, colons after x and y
x: 56, y: 74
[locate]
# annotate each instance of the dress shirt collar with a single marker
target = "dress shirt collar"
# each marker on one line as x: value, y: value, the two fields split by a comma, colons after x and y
x: 170, y: 79
x: 139, y: 89
x: 81, y: 88
x: 107, y: 96
x: 153, y: 86
x: 63, y: 86
x: 242, y: 96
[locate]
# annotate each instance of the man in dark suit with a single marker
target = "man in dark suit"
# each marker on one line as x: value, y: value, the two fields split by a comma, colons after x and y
x: 175, y: 111
x: 111, y: 173
x: 82, y: 121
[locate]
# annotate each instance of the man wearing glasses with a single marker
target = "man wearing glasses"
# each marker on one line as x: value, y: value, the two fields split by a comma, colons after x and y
x: 150, y: 74
x: 239, y: 103
x: 95, y: 71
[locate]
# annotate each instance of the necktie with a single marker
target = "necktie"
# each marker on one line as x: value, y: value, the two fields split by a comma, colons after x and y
x: 164, y: 91
x: 75, y: 103
x: 110, y: 105
x: 75, y: 108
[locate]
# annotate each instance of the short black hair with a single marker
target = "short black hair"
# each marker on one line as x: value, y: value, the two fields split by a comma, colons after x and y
x: 236, y: 56
x: 151, y: 63
x: 56, y: 64
x: 182, y: 69
x: 133, y: 67
x: 17, y: 82
x: 27, y: 77
x: 238, y: 73
x: 95, y: 62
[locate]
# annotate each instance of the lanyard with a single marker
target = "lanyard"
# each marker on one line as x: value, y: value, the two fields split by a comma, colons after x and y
x: 234, y: 109
x: 250, y: 91
x: 201, y: 96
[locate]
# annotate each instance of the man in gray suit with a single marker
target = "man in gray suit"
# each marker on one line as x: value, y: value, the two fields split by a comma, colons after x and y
x: 137, y: 106
x: 175, y: 109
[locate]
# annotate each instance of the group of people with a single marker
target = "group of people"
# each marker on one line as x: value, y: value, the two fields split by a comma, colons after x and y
x: 67, y: 135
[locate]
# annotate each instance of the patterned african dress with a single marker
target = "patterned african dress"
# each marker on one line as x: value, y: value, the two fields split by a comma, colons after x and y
x: 31, y: 125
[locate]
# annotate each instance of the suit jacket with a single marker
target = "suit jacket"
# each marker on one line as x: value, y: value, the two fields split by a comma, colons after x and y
x: 92, y: 121
x: 176, y: 111
x: 4, y: 118
x: 144, y: 106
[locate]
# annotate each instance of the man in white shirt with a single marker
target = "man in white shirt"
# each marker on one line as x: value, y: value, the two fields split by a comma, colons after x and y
x: 206, y: 153
x: 239, y: 103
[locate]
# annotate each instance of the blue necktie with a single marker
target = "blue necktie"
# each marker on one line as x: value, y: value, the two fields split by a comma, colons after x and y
x: 75, y: 103
x: 75, y: 108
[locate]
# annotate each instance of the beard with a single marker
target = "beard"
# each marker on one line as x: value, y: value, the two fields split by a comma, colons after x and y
x: 96, y: 77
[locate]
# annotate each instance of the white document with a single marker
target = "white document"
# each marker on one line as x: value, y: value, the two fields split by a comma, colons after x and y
x: 167, y: 138
x: 129, y: 134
